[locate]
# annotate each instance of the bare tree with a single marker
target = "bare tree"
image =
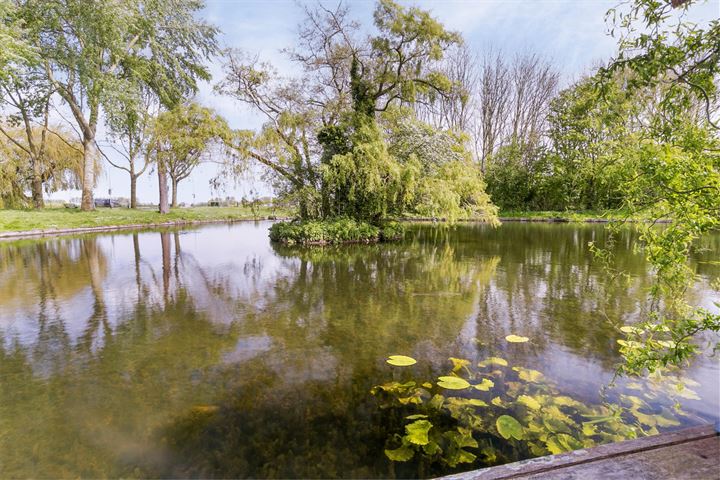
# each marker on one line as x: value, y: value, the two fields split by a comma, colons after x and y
x: 535, y: 83
x: 456, y: 108
x: 494, y: 102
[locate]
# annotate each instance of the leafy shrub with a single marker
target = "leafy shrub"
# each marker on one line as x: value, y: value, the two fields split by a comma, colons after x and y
x: 339, y: 230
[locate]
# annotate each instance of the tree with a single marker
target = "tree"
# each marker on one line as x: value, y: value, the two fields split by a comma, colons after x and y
x: 130, y: 126
x: 447, y: 182
x: 15, y: 48
x: 93, y: 51
x: 589, y: 131
x: 674, y: 170
x: 322, y: 138
x: 182, y: 136
x: 37, y: 159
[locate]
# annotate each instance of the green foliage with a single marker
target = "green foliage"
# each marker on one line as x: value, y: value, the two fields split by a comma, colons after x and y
x: 520, y: 415
x: 326, y: 232
x: 328, y: 154
x: 15, y: 48
x: 367, y: 183
x: 447, y: 183
x: 673, y: 171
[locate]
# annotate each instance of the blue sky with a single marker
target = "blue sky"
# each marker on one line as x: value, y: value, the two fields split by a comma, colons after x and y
x: 573, y: 34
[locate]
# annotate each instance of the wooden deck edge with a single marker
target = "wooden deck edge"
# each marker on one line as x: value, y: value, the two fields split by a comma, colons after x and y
x: 53, y: 232
x: 548, y: 463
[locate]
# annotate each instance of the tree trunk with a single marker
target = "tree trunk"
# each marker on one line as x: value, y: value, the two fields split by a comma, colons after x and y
x: 37, y: 193
x: 162, y: 184
x: 174, y: 192
x: 88, y: 182
x: 133, y: 191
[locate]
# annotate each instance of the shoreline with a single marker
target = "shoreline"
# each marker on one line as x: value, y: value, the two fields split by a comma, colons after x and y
x: 42, y: 233
x: 56, y: 232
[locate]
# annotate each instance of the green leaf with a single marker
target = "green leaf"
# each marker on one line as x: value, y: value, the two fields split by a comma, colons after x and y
x: 485, y: 385
x: 529, y: 402
x: 631, y: 329
x: 417, y: 432
x: 569, y: 442
x: 402, y: 454
x: 509, y: 428
x: 516, y: 339
x: 416, y: 417
x: 555, y: 425
x: 554, y: 446
x: 459, y: 363
x: 528, y: 375
x: 453, y: 383
x: 432, y: 448
x: 493, y: 361
x: 401, y: 361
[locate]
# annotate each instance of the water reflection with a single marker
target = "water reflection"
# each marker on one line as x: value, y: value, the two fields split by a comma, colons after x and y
x: 209, y: 352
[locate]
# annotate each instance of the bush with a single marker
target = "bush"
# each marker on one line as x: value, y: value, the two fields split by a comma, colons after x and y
x: 339, y: 230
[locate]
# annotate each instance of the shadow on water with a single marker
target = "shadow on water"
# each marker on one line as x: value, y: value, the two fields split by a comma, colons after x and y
x: 211, y: 353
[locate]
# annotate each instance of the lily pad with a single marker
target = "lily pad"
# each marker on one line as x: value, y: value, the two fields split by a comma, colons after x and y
x: 453, y: 383
x: 493, y: 361
x: 485, y: 385
x: 417, y: 432
x: 401, y: 361
x: 402, y: 454
x: 509, y: 428
x: 529, y: 402
x: 528, y: 375
x: 516, y: 339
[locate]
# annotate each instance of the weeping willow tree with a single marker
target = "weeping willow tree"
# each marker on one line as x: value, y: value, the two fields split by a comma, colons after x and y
x: 38, y: 160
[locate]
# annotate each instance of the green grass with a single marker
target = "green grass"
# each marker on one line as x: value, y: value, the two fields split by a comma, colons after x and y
x: 62, y: 218
x: 569, y: 216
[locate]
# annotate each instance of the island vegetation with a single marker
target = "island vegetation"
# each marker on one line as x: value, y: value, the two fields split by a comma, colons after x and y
x: 383, y: 122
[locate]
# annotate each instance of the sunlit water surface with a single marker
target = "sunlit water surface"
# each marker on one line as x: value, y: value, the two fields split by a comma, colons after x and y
x: 211, y: 353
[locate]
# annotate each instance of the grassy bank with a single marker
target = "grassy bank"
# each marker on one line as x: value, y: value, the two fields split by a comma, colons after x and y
x: 62, y: 218
x: 567, y: 216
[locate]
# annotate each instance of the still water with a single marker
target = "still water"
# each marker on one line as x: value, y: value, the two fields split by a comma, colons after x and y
x: 211, y: 353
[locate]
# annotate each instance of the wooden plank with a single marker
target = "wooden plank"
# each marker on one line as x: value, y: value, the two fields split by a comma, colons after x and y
x: 693, y: 460
x: 567, y: 462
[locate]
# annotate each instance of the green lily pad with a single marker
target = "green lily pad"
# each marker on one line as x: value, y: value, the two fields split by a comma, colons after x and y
x: 509, y: 428
x: 417, y: 432
x: 401, y: 361
x: 485, y: 385
x: 528, y: 375
x: 516, y: 339
x: 529, y: 402
x: 493, y: 361
x: 453, y: 383
x: 402, y: 454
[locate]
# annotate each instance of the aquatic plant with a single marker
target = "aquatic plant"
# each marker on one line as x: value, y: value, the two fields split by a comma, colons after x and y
x: 492, y: 413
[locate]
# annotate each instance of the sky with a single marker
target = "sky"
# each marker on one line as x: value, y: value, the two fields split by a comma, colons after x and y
x: 572, y: 34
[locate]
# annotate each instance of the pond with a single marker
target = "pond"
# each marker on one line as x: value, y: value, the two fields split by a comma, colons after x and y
x: 209, y: 352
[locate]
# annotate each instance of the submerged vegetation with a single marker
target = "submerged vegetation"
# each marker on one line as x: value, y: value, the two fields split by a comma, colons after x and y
x: 492, y: 412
